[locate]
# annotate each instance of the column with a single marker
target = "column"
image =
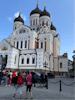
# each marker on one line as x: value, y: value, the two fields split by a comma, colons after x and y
x: 23, y: 43
x: 19, y: 44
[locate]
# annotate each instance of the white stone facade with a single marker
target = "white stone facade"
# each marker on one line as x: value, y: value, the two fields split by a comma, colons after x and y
x: 31, y: 48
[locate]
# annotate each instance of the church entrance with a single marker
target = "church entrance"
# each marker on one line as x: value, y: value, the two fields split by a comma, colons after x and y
x: 3, y: 61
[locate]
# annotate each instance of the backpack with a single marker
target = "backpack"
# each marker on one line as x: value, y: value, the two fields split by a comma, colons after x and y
x: 19, y: 80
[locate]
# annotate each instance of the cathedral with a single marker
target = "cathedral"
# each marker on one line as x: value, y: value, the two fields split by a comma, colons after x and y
x: 34, y: 47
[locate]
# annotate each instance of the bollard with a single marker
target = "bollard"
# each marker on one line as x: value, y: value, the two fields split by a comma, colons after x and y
x: 60, y: 85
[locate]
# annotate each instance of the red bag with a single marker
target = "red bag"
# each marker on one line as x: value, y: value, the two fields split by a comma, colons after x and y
x: 20, y: 80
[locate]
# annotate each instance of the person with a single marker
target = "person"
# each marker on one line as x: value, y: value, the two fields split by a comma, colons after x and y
x: 13, y: 77
x: 18, y: 84
x: 6, y: 78
x: 29, y: 84
x: 42, y: 78
x: 1, y: 74
x: 10, y: 78
x: 46, y: 80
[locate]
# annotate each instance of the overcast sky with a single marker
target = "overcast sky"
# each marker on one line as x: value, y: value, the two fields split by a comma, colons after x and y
x: 62, y: 12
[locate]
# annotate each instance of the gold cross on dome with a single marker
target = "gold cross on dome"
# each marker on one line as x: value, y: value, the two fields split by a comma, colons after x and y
x: 45, y: 3
x: 20, y: 10
x: 37, y: 2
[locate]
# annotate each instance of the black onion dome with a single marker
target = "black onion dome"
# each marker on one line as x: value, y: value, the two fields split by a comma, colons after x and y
x: 44, y: 13
x: 52, y: 27
x: 36, y: 11
x: 19, y: 19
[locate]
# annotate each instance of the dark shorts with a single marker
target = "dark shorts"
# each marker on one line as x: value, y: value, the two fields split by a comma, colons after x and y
x: 28, y: 87
x: 46, y: 80
x: 42, y: 80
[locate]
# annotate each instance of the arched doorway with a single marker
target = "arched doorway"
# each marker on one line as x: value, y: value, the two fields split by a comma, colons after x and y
x: 4, y: 62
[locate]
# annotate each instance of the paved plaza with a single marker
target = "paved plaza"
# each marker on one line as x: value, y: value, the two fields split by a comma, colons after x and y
x: 41, y: 93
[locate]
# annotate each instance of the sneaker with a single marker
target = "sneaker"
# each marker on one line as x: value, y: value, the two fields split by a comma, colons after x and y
x: 5, y: 85
x: 13, y: 97
x: 8, y: 85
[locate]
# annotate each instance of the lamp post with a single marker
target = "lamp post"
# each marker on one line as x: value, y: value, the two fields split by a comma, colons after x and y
x: 45, y: 65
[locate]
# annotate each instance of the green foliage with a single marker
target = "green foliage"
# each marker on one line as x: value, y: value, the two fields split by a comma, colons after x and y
x: 73, y: 65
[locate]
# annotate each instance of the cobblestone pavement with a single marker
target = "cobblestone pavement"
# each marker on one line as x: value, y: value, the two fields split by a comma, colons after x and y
x: 41, y: 93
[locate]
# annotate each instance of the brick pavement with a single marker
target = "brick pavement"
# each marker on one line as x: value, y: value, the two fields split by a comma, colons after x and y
x: 52, y: 93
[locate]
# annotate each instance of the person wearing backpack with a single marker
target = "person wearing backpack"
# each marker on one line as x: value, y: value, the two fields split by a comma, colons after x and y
x: 18, y: 84
x: 29, y: 84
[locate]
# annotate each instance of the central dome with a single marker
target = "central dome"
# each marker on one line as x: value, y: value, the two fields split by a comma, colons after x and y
x: 36, y: 11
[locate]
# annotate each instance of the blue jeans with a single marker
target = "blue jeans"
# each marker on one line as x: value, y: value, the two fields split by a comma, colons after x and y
x: 6, y: 80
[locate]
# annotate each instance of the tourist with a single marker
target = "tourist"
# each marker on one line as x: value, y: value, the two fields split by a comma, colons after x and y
x: 29, y: 85
x: 6, y: 78
x: 18, y: 84
x: 46, y: 80
x: 1, y: 74
x: 10, y: 78
x: 13, y: 77
x: 42, y: 78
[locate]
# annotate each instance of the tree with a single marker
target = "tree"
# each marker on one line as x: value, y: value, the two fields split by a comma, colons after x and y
x: 73, y: 64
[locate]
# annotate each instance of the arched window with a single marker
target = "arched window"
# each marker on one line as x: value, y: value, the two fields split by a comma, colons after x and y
x: 33, y: 28
x: 25, y: 44
x: 22, y: 62
x: 37, y: 28
x: 21, y: 44
x: 41, y: 44
x: 43, y: 23
x: 33, y: 60
x: 17, y: 44
x: 33, y: 22
x: 15, y: 60
x: 27, y: 60
x: 24, y: 31
x: 47, y: 23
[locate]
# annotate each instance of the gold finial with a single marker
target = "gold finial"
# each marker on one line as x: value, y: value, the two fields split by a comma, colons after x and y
x: 45, y: 4
x: 37, y: 2
x: 20, y: 10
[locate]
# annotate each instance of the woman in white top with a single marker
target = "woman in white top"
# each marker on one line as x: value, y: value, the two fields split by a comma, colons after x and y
x: 10, y: 78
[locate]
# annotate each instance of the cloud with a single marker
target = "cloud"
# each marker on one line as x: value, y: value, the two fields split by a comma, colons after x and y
x: 22, y: 15
x: 16, y: 15
x: 10, y: 19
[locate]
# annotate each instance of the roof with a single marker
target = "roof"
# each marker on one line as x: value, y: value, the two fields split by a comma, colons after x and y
x: 52, y: 27
x: 19, y: 19
x: 10, y: 44
x: 56, y: 35
x: 45, y: 13
x: 36, y: 11
x: 63, y: 56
